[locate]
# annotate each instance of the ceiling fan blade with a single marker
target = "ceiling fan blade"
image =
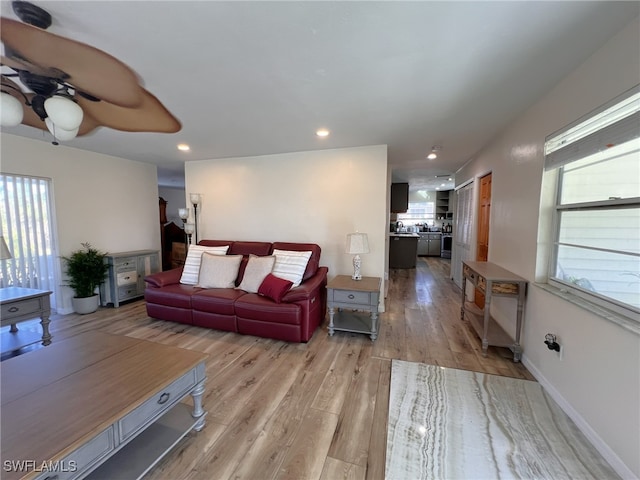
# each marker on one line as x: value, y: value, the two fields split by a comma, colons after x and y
x: 85, y: 67
x: 19, y: 64
x: 151, y: 116
x: 33, y: 120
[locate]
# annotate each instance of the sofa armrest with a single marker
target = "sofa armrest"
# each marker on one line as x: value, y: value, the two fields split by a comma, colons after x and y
x: 308, y: 288
x: 161, y: 279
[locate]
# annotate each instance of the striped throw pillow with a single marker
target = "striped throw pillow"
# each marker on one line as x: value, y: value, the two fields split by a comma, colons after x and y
x: 290, y: 265
x: 191, y: 269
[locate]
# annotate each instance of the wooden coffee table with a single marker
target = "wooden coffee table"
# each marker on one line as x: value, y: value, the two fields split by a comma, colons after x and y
x: 97, y: 404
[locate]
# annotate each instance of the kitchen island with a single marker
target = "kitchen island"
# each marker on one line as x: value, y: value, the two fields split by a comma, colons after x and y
x: 403, y: 250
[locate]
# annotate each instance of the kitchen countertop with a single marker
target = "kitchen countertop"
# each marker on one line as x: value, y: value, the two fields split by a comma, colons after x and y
x: 409, y: 235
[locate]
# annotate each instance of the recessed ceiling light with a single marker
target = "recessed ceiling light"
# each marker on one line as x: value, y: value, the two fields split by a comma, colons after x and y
x: 432, y: 156
x: 450, y: 179
x: 442, y: 184
x: 322, y: 132
x: 183, y: 147
x: 437, y: 188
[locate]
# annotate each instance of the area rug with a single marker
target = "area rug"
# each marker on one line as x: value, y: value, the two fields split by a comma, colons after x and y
x: 446, y: 423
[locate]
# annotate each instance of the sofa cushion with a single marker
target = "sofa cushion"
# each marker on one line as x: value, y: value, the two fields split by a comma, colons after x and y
x: 218, y: 271
x: 256, y: 270
x: 274, y: 287
x: 191, y: 268
x: 262, y: 309
x: 250, y: 248
x: 314, y: 260
x: 290, y: 265
x: 216, y: 300
x: 175, y: 295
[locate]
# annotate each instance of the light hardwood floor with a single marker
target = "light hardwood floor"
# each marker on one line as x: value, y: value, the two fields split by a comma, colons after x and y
x: 307, y: 411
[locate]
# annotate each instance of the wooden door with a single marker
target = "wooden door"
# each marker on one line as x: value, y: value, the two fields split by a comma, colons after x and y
x: 484, y: 213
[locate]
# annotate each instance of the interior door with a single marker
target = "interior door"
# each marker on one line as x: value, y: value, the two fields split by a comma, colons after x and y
x: 484, y: 213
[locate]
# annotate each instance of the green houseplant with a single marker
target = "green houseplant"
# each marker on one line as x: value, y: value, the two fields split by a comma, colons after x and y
x: 86, y: 270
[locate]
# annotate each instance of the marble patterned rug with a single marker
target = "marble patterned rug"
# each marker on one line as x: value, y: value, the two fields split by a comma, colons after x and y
x: 446, y: 423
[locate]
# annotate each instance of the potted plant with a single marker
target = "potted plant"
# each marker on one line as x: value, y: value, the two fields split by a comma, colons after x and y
x: 86, y: 270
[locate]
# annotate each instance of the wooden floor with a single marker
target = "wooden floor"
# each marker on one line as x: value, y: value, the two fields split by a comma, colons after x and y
x: 307, y: 411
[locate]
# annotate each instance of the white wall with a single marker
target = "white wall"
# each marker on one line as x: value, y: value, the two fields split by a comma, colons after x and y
x: 109, y: 202
x: 597, y: 380
x: 175, y: 198
x: 316, y: 197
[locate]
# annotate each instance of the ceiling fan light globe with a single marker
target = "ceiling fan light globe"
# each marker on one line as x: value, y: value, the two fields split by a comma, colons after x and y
x: 11, y: 112
x: 65, y: 113
x: 60, y: 133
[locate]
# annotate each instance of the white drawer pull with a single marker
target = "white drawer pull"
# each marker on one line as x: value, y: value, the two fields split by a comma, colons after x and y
x: 164, y: 398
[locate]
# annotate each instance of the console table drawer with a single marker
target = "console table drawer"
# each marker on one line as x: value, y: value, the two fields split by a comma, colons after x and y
x: 126, y: 264
x: 127, y: 291
x: 79, y: 461
x: 127, y: 278
x: 18, y: 309
x: 156, y: 405
x: 359, y: 298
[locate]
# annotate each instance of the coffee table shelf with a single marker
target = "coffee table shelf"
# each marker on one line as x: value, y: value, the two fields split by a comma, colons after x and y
x: 148, y: 448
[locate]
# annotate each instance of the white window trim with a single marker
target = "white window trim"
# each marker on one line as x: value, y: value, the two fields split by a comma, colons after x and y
x: 549, y: 220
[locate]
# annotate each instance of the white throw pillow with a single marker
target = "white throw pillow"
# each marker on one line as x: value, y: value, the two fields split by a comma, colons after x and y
x: 192, y: 263
x: 290, y: 265
x: 257, y: 269
x: 218, y: 271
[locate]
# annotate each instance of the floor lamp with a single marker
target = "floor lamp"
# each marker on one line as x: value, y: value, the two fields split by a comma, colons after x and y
x: 195, y: 201
x: 184, y: 214
x: 188, y: 230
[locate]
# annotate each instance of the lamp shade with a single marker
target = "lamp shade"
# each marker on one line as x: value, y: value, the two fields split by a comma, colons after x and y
x: 4, y: 250
x: 183, y: 213
x: 195, y: 198
x: 60, y: 133
x: 357, y: 243
x: 189, y: 228
x: 11, y: 112
x: 63, y: 112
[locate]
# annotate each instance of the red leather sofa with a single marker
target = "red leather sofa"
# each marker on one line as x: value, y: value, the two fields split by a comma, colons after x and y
x: 300, y: 312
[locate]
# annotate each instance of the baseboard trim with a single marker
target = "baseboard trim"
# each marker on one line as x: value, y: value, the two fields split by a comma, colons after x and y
x: 609, y: 455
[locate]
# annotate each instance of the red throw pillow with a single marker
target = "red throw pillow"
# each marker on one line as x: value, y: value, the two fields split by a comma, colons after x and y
x: 274, y: 287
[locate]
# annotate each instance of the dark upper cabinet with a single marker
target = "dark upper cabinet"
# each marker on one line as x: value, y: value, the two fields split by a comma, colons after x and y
x: 399, y: 197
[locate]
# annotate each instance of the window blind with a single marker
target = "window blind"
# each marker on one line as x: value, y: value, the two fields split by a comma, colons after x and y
x: 615, y: 123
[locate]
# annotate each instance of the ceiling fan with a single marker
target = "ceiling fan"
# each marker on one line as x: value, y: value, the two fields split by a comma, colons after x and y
x: 67, y: 87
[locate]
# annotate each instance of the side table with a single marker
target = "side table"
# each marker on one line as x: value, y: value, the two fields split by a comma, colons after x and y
x: 355, y: 295
x: 21, y: 304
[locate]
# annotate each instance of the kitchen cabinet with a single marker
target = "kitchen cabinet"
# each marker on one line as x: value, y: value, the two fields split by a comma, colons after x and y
x: 399, y: 197
x: 403, y: 250
x: 429, y: 244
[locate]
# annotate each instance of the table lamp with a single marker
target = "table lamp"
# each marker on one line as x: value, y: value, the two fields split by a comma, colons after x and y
x: 357, y: 243
x: 4, y: 250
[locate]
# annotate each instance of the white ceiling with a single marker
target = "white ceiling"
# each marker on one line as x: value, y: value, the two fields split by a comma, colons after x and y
x: 254, y: 78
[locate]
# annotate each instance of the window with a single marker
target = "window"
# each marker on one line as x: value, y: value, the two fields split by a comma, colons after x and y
x: 596, y: 251
x: 418, y: 212
x: 26, y: 223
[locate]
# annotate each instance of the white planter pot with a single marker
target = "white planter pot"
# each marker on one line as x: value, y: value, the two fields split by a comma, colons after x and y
x: 85, y: 305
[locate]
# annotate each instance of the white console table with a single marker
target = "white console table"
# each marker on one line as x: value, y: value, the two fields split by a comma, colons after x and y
x: 493, y: 281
